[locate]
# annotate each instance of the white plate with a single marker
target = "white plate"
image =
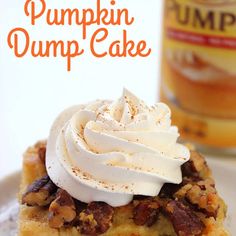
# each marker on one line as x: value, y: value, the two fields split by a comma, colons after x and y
x: 225, y: 177
x: 8, y: 204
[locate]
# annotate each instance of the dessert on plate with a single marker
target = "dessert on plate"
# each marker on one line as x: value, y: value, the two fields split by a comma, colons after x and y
x: 116, y: 169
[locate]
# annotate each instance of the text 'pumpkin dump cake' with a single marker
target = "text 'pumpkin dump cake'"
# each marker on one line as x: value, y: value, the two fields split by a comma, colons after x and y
x: 115, y: 169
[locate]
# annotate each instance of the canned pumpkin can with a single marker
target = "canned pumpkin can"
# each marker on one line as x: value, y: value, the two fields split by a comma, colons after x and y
x: 199, y: 69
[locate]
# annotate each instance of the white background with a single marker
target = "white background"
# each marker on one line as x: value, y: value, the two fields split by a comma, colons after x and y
x: 34, y: 91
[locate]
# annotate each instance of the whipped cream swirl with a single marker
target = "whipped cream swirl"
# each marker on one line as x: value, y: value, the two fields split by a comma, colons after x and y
x: 110, y: 151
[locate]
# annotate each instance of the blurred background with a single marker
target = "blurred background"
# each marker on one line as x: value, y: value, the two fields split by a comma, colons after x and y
x: 34, y: 91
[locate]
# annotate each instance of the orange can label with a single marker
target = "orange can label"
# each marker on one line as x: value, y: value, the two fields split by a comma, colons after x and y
x: 199, y: 69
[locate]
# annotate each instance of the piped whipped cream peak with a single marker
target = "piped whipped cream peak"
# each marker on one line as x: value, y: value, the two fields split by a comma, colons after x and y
x: 110, y: 151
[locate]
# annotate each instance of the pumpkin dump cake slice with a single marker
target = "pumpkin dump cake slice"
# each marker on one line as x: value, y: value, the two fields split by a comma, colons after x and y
x: 115, y: 169
x: 190, y: 208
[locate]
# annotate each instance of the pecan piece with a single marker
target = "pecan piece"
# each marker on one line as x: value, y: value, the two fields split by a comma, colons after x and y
x: 62, y: 210
x: 168, y: 190
x: 80, y: 206
x: 203, y: 195
x: 96, y: 218
x: 196, y: 167
x: 184, y: 221
x: 40, y: 193
x: 146, y: 212
x: 189, y: 170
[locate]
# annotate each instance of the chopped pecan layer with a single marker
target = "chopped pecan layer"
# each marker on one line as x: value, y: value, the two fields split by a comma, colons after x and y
x: 184, y: 221
x: 62, y: 210
x: 96, y: 219
x: 40, y: 193
x: 203, y: 194
x: 146, y: 212
x: 177, y: 202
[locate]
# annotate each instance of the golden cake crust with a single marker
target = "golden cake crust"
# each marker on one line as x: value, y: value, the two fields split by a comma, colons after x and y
x: 33, y: 221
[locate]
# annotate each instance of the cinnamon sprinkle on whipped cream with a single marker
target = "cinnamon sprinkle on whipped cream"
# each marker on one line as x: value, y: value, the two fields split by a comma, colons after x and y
x: 110, y: 151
